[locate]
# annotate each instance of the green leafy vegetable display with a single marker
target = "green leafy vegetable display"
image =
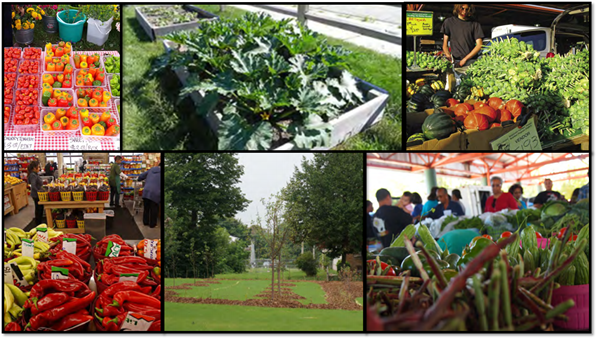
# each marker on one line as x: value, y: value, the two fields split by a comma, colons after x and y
x: 115, y: 85
x: 112, y: 64
x: 448, y: 220
x: 428, y: 61
x: 272, y: 81
x: 161, y: 16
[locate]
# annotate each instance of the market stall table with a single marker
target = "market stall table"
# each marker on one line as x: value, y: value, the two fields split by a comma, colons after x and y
x: 49, y: 205
x: 38, y: 140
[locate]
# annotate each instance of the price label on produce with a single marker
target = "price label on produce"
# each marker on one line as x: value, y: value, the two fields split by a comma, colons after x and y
x: 524, y: 138
x: 419, y: 23
x: 17, y: 275
x: 113, y: 249
x: 81, y: 144
x: 136, y: 322
x: 42, y: 234
x: 8, y: 274
x: 27, y: 247
x: 69, y: 245
x: 19, y: 143
x: 128, y: 277
x: 59, y: 273
x: 151, y: 249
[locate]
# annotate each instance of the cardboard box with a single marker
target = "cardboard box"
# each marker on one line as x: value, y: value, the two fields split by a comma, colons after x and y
x: 469, y: 140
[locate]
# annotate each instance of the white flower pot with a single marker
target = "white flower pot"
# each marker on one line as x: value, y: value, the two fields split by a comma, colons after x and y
x: 98, y: 31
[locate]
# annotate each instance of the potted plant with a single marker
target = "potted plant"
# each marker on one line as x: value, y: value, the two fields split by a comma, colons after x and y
x: 99, y: 22
x: 48, y: 18
x: 23, y: 21
x: 70, y: 23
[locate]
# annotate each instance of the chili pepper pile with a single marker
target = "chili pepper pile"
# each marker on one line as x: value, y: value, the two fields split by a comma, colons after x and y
x: 78, y: 268
x: 99, y: 251
x: 58, y: 305
x: 492, y: 292
x: 83, y: 245
x: 108, y: 271
x: 113, y: 304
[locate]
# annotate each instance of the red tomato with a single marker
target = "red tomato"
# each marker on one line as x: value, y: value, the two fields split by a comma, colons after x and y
x: 12, y: 52
x: 28, y: 81
x: 383, y: 267
x: 487, y: 236
x: 10, y: 65
x: 8, y: 95
x: 26, y: 115
x: 506, y: 234
x: 9, y: 80
x: 27, y: 96
x: 32, y: 53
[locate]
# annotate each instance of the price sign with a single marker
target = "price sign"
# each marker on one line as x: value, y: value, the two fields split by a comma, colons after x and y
x: 19, y: 143
x: 136, y: 322
x: 18, y: 276
x: 151, y: 249
x: 42, y: 234
x: 113, y: 249
x: 27, y: 247
x: 519, y: 139
x: 69, y: 245
x: 128, y: 277
x: 8, y: 274
x: 82, y: 144
x: 419, y: 23
x: 59, y: 273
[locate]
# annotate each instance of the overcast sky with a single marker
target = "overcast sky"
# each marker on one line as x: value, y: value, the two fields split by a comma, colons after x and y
x: 265, y: 174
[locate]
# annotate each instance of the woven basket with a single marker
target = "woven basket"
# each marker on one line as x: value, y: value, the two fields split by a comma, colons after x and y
x: 71, y: 223
x: 78, y: 196
x: 81, y: 224
x: 66, y: 196
x: 60, y: 223
x: 43, y: 196
x: 54, y: 196
x: 90, y: 196
x: 103, y: 195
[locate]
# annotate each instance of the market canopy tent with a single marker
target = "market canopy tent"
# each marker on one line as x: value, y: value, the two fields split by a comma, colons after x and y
x: 512, y: 167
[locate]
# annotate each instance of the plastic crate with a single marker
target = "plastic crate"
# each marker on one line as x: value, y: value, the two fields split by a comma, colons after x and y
x: 41, y: 105
x: 19, y: 48
x: 41, y: 54
x: 80, y: 223
x: 23, y: 128
x: 66, y: 132
x: 8, y: 77
x: 21, y: 90
x: 6, y: 124
x: 110, y: 85
x: 117, y: 105
x: 71, y: 223
x: 90, y: 196
x: 101, y: 138
x: 60, y: 223
x: 104, y: 57
x: 104, y: 82
x: 78, y: 195
x: 44, y: 68
x: 71, y: 53
x: 12, y: 92
x: 66, y: 196
x: 11, y: 59
x: 101, y: 108
x: 27, y: 75
x: 88, y: 54
x: 39, y: 66
x: 43, y: 196
x: 55, y: 73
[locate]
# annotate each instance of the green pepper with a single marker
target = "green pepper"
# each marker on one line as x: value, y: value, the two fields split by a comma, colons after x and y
x: 45, y: 97
x: 97, y: 83
x: 57, y: 85
x: 103, y: 123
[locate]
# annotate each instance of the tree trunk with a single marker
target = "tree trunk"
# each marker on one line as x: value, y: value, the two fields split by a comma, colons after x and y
x: 279, y: 264
x: 343, y: 258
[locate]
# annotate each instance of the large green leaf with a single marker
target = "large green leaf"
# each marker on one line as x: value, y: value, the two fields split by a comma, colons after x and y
x: 347, y: 88
x: 310, y: 100
x: 247, y: 64
x: 311, y: 132
x: 276, y: 63
x: 306, y: 69
x: 223, y: 83
x: 235, y: 133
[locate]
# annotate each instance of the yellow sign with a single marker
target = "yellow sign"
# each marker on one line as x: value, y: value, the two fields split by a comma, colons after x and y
x: 419, y: 23
x: 524, y: 138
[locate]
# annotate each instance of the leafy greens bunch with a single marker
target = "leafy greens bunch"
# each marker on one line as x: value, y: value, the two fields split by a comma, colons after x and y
x: 271, y: 81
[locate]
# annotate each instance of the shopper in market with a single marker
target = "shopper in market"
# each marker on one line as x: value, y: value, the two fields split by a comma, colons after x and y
x: 499, y: 200
x: 457, y: 196
x: 405, y: 202
x: 114, y: 182
x: 418, y: 203
x: 465, y: 36
x: 516, y: 191
x: 55, y: 169
x: 49, y: 169
x: 372, y: 241
x: 431, y: 202
x: 445, y: 205
x: 35, y: 181
x: 583, y: 193
x: 152, y: 193
x: 547, y: 195
x: 389, y: 220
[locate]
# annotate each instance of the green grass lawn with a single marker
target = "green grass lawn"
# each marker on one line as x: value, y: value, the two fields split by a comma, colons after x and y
x: 202, y: 317
x: 156, y: 119
x: 264, y: 274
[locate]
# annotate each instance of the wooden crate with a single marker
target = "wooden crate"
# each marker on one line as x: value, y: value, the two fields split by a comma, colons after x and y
x: 154, y: 32
x: 21, y: 198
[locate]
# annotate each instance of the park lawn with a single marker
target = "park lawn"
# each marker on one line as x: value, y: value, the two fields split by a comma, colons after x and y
x: 157, y: 119
x: 264, y: 274
x: 359, y: 301
x: 312, y: 292
x: 204, y: 317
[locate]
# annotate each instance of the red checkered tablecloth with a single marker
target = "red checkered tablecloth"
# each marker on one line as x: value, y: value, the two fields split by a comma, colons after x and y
x: 43, y: 142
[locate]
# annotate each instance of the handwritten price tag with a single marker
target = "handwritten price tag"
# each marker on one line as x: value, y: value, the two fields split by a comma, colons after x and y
x: 42, y: 234
x: 27, y: 248
x: 113, y: 249
x: 81, y: 144
x: 419, y: 23
x: 69, y: 245
x: 519, y: 139
x: 151, y: 249
x: 59, y: 273
x: 128, y: 277
x: 136, y: 322
x: 19, y: 143
x: 8, y: 274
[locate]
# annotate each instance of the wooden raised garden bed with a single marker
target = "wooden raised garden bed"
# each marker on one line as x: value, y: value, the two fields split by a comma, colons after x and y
x: 160, y: 20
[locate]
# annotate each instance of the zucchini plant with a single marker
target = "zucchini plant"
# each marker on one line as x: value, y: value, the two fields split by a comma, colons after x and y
x: 272, y: 81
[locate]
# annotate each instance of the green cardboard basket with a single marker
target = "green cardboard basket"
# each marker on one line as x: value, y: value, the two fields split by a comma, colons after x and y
x: 70, y: 32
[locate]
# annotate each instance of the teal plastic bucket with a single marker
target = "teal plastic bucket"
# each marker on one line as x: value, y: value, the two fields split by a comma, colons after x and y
x: 70, y: 32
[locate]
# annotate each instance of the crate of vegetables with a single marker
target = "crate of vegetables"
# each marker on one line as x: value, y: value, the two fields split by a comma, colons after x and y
x: 57, y: 80
x: 87, y: 60
x: 32, y: 53
x: 60, y: 121
x: 12, y: 52
x: 29, y: 67
x: 55, y: 64
x: 59, y: 49
x: 9, y: 95
x: 7, y: 114
x: 28, y: 81
x: 114, y: 85
x: 91, y: 77
x: 26, y: 96
x: 10, y: 80
x: 25, y: 118
x: 10, y: 65
x: 111, y: 63
x: 56, y: 98
x: 93, y: 97
x: 98, y: 124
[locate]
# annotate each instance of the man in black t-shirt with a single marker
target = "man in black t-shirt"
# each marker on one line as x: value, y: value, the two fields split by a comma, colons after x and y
x: 465, y: 36
x: 547, y: 195
x: 389, y: 220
